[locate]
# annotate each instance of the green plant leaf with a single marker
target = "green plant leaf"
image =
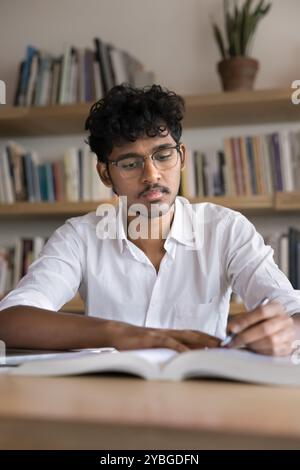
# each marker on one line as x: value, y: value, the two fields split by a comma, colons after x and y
x: 240, y: 26
x: 245, y: 25
x: 219, y: 40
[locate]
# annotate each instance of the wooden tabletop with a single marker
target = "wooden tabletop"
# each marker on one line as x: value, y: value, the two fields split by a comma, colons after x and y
x: 112, y: 412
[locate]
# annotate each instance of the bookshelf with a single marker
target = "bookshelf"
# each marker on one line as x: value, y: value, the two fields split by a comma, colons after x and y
x: 281, y: 202
x: 287, y: 201
x: 46, y: 209
x: 210, y: 110
x: 202, y: 111
x: 215, y: 109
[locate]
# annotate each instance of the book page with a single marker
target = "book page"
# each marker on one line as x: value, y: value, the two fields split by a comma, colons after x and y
x: 159, y: 356
x: 143, y: 363
x: 15, y: 357
x: 239, y: 365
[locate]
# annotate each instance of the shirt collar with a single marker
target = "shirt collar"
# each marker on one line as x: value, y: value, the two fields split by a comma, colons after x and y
x: 181, y: 229
x: 182, y: 226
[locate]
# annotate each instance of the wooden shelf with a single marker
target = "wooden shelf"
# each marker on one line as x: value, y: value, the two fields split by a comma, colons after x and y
x: 43, y: 120
x: 46, y: 209
x: 76, y: 305
x: 287, y: 201
x: 239, y: 202
x: 209, y: 110
x: 281, y: 202
x: 241, y: 107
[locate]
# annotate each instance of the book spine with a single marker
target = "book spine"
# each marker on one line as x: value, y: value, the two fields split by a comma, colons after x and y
x: 251, y: 164
x: 277, y: 161
x: 29, y: 177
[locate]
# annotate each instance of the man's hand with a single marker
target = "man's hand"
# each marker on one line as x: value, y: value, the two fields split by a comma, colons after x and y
x: 266, y: 330
x: 124, y: 336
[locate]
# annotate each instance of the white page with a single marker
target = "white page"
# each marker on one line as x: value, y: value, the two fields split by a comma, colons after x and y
x: 236, y: 365
x: 29, y: 356
x: 158, y: 356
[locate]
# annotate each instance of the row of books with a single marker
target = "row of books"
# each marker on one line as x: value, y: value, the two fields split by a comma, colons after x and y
x: 78, y: 75
x: 15, y: 261
x: 251, y: 165
x: 246, y: 166
x: 73, y: 178
x: 287, y: 253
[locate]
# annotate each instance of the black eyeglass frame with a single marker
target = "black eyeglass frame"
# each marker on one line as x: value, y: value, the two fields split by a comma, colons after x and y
x: 177, y: 147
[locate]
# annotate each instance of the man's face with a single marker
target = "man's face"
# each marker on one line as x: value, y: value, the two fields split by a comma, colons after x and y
x: 152, y: 186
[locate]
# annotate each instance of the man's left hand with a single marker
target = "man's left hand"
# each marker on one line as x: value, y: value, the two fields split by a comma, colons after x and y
x: 266, y: 330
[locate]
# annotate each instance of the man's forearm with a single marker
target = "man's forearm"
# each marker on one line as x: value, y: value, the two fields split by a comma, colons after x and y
x: 31, y: 327
x: 35, y: 328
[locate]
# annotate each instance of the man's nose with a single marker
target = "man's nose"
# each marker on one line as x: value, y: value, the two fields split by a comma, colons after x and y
x: 150, y: 173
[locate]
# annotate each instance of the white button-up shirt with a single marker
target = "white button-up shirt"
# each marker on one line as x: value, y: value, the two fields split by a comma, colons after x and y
x: 210, y: 252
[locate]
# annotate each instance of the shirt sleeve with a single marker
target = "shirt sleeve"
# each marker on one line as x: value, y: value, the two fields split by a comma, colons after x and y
x: 54, y: 278
x: 251, y: 269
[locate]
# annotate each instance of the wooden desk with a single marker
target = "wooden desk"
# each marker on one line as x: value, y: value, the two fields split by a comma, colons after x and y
x: 128, y: 413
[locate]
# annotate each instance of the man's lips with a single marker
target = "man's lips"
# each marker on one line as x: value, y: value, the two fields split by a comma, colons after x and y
x: 153, y: 194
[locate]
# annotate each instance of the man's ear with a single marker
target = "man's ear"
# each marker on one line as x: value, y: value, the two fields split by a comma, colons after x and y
x: 103, y: 174
x: 183, y: 153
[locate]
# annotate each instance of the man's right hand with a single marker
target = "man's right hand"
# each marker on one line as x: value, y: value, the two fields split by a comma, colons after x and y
x: 124, y: 336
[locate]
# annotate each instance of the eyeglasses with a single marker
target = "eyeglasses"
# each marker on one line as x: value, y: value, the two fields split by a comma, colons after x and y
x: 163, y: 159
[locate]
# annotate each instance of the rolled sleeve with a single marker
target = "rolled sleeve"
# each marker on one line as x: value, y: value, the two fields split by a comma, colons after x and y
x: 54, y: 278
x: 251, y: 269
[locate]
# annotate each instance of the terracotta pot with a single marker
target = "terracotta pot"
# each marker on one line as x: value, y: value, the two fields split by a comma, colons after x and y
x: 238, y: 73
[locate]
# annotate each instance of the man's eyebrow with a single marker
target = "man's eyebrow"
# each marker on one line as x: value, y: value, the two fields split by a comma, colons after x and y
x: 136, y: 154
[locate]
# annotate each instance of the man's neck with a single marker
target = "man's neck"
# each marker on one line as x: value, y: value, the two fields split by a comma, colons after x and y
x: 157, y: 230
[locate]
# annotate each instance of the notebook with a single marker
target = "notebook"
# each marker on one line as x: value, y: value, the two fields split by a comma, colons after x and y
x: 167, y: 364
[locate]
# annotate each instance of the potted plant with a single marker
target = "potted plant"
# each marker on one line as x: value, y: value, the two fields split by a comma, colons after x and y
x: 237, y: 69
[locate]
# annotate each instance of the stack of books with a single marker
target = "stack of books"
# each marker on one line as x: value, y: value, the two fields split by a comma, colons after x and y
x: 78, y: 75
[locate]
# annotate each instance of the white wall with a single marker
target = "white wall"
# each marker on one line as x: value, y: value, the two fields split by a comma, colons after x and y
x: 171, y: 37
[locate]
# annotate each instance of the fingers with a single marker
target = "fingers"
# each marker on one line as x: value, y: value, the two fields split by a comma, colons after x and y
x: 133, y: 337
x: 265, y: 329
x: 159, y: 340
x: 130, y: 337
x: 242, y: 321
x: 195, y: 339
x: 279, y: 344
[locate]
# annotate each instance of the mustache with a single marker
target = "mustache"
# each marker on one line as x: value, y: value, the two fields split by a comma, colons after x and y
x: 163, y: 189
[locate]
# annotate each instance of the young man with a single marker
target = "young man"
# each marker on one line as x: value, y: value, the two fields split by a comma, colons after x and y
x: 159, y: 272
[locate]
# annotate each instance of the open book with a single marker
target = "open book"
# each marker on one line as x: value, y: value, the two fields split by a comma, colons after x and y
x: 166, y: 364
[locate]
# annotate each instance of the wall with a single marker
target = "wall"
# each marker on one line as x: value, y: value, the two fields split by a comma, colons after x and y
x: 172, y: 37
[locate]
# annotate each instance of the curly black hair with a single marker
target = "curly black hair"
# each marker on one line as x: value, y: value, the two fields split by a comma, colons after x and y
x: 127, y: 113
